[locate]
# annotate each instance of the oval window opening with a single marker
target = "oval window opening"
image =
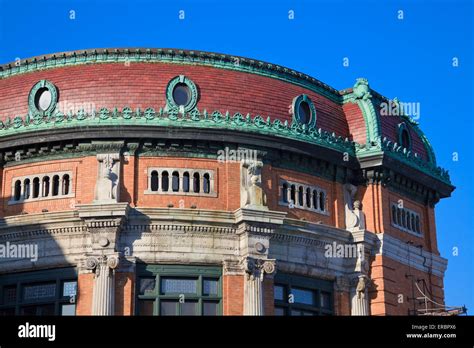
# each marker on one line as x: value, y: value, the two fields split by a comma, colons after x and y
x: 43, y: 99
x: 181, y: 94
x: 304, y: 113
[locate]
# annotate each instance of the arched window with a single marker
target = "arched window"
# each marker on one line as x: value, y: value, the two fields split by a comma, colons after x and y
x: 175, y: 182
x: 394, y: 215
x: 315, y: 199
x: 300, y: 196
x: 308, y: 197
x: 206, y: 183
x: 293, y: 194
x: 284, y: 193
x: 17, y: 190
x: 154, y: 181
x: 399, y: 217
x: 417, y: 222
x: 186, y: 182
x: 65, y: 184
x: 27, y: 188
x: 404, y: 137
x: 36, y: 187
x: 322, y: 201
x: 196, y: 183
x: 404, y: 218
x: 413, y: 224
x: 55, y: 185
x: 45, y: 192
x: 165, y: 181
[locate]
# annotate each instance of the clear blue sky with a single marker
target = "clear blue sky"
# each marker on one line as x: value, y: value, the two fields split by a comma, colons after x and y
x: 410, y: 59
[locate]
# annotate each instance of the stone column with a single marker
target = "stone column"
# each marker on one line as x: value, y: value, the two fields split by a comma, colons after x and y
x: 255, y: 270
x: 104, y: 283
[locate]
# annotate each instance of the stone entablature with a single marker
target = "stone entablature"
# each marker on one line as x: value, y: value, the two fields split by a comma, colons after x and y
x: 186, y: 236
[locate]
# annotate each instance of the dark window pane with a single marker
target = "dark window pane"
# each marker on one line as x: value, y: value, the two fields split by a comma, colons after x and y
x: 168, y: 307
x: 7, y: 312
x: 279, y: 311
x: 154, y: 180
x: 210, y: 287
x: 181, y: 94
x: 303, y: 296
x: 279, y: 292
x: 304, y: 113
x: 186, y: 182
x: 325, y: 300
x: 296, y: 313
x: 145, y: 307
x: 189, y: 308
x: 68, y: 309
x: 209, y: 308
x: 146, y: 284
x: 39, y: 291
x: 175, y: 182
x: 9, y: 294
x: 178, y: 286
x: 38, y: 310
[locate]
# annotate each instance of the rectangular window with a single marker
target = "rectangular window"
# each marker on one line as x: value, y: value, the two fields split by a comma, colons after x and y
x: 38, y: 292
x: 179, y: 290
x: 50, y: 292
x: 303, y: 196
x: 302, y: 296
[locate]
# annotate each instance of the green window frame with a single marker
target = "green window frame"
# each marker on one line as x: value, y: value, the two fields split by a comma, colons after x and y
x: 14, y: 287
x: 289, y: 291
x: 151, y: 301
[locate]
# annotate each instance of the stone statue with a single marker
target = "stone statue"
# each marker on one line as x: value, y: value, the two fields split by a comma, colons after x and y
x: 355, y: 219
x: 252, y: 194
x: 107, y: 180
x: 361, y: 286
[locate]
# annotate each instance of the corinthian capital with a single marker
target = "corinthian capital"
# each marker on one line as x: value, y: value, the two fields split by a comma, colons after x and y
x: 257, y: 268
x: 96, y: 263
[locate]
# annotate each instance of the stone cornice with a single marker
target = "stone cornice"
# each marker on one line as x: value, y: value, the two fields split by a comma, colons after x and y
x: 411, y: 256
x: 173, y: 56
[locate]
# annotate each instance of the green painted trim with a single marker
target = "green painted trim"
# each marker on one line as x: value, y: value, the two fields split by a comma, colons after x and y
x: 32, y: 96
x: 295, y: 110
x: 175, y: 56
x: 361, y: 94
x: 174, y: 118
x: 192, y: 87
x: 394, y: 150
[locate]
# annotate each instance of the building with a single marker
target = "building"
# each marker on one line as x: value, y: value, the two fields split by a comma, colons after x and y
x: 157, y: 181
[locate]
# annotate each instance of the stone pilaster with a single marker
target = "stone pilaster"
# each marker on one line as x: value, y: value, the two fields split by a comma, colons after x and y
x: 255, y: 270
x: 103, y: 299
